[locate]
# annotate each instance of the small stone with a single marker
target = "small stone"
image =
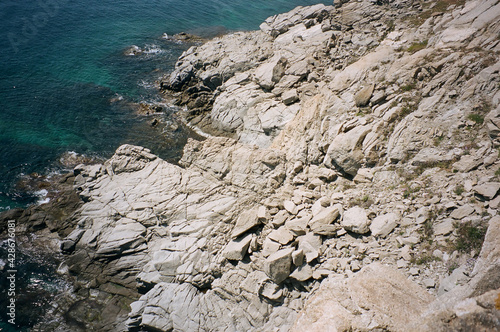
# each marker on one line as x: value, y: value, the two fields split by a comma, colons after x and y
x: 383, y: 225
x: 279, y: 218
x: 302, y: 273
x: 269, y: 247
x: 429, y: 283
x: 414, y: 271
x: 246, y: 221
x: 262, y: 213
x: 298, y: 257
x: 362, y: 98
x: 401, y: 263
x: 320, y: 274
x: 290, y: 96
x: 281, y: 235
x: 236, y: 249
x: 444, y: 228
x: 411, y: 240
x: 355, y: 266
x: 290, y: 207
x: 462, y: 212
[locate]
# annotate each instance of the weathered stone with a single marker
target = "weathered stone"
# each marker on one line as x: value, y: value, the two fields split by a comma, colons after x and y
x: 269, y: 247
x: 281, y: 235
x: 326, y: 216
x: 487, y: 190
x: 298, y: 257
x: 384, y: 224
x: 236, y: 249
x: 302, y: 273
x: 277, y: 266
x: 356, y: 220
x: 362, y: 98
x: 344, y: 151
x: 467, y: 163
x: 444, y: 228
x: 290, y: 97
x: 383, y: 294
x: 462, y: 212
x: 246, y: 221
x: 269, y: 73
x: 290, y: 207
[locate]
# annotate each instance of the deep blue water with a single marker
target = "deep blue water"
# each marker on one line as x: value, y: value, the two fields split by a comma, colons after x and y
x: 66, y: 85
x: 62, y: 68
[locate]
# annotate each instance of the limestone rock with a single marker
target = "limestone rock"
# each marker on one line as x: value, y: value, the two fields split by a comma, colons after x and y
x: 487, y: 190
x: 355, y: 220
x: 281, y: 235
x: 383, y: 224
x: 376, y: 293
x: 236, y: 249
x: 290, y: 97
x: 344, y: 151
x: 277, y: 266
x: 246, y: 221
x: 269, y: 73
x: 462, y: 212
x: 362, y: 98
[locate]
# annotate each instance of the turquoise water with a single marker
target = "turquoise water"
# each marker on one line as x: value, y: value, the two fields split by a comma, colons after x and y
x: 62, y: 68
x: 66, y: 85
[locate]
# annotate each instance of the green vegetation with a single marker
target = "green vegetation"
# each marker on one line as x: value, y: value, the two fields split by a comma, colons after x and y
x: 459, y: 190
x: 415, y: 47
x: 408, y: 87
x: 477, y: 118
x: 469, y: 237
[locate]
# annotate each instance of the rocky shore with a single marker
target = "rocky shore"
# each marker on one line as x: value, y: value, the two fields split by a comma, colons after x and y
x: 348, y: 181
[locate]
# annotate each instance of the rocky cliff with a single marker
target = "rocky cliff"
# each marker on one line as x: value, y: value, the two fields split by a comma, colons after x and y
x: 348, y: 182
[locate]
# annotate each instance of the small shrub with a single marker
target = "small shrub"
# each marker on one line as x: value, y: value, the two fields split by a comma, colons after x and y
x: 497, y: 172
x: 415, y: 47
x: 477, y: 118
x: 459, y: 190
x: 425, y: 259
x: 408, y: 87
x: 469, y: 237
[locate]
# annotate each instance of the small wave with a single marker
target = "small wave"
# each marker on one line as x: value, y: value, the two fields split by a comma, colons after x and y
x: 42, y: 196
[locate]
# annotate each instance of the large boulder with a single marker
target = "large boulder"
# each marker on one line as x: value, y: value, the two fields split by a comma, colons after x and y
x: 345, y: 150
x: 378, y: 297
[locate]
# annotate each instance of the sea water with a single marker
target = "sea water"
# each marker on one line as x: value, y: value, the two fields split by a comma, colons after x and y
x: 68, y: 85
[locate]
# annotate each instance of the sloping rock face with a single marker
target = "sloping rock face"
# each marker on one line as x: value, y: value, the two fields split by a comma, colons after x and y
x: 360, y: 173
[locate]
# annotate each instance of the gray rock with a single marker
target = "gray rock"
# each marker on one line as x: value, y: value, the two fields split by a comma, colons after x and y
x: 302, y: 273
x: 236, y: 249
x: 362, y: 98
x: 356, y: 220
x: 462, y: 212
x: 269, y: 247
x: 281, y: 235
x: 270, y: 73
x: 298, y: 257
x: 444, y: 228
x: 277, y: 266
x: 488, y: 190
x: 326, y: 216
x: 467, y: 163
x: 246, y: 221
x: 290, y: 96
x: 383, y: 225
x: 345, y: 150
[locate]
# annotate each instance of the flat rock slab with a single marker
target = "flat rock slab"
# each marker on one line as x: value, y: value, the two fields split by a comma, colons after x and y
x: 488, y: 190
x: 245, y: 222
x: 383, y: 225
x: 377, y: 293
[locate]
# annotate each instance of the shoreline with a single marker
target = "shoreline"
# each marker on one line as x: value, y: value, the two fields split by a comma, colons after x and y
x: 350, y: 163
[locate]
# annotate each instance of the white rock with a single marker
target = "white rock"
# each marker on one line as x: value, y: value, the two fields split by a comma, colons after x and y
x: 383, y: 225
x: 356, y: 220
x: 236, y: 249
